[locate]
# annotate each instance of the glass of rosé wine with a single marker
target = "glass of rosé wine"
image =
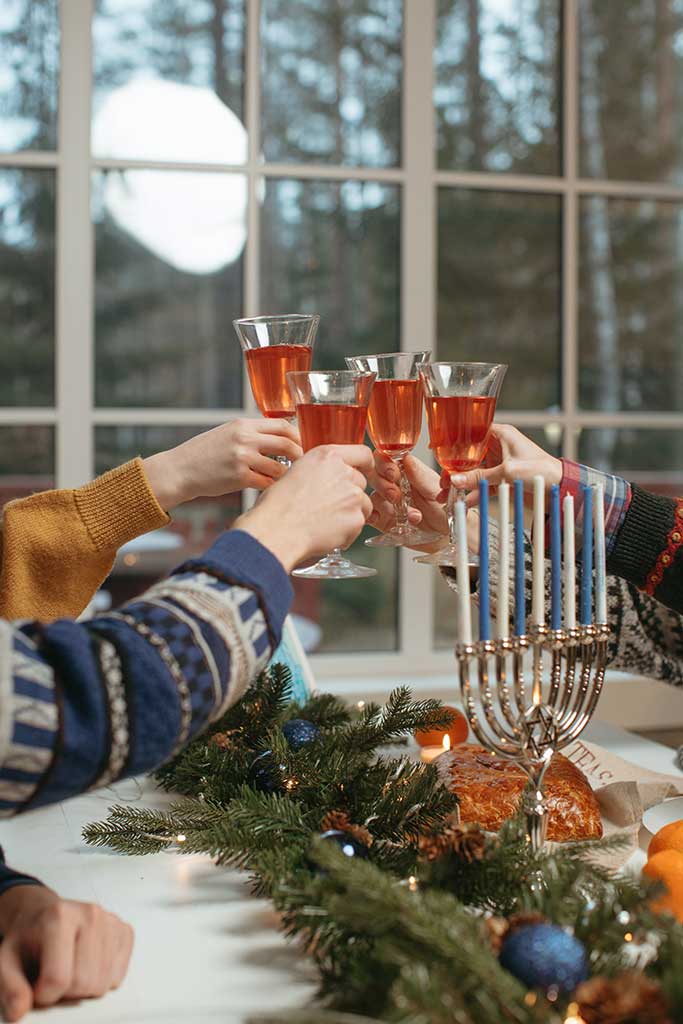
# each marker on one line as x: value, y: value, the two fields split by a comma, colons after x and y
x: 272, y: 346
x: 331, y: 408
x: 460, y: 399
x: 394, y: 426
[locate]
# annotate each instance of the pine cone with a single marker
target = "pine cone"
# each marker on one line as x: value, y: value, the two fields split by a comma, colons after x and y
x: 340, y: 821
x: 465, y: 841
x: 628, y: 998
x: 223, y: 740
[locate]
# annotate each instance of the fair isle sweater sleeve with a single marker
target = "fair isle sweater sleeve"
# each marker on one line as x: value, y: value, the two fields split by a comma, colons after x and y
x: 85, y: 704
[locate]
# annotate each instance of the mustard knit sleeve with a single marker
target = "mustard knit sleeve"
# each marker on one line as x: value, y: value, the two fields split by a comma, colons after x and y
x: 59, y: 546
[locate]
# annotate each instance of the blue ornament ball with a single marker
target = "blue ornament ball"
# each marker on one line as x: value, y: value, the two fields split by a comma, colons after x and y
x: 299, y: 733
x: 347, y: 843
x: 263, y: 773
x: 545, y: 956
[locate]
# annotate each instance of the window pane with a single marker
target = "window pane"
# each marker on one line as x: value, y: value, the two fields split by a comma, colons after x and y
x: 362, y: 616
x: 445, y: 608
x: 27, y: 287
x: 631, y: 89
x: 334, y: 249
x: 168, y: 80
x: 168, y: 284
x: 331, y: 81
x: 651, y: 458
x: 497, y: 89
x: 499, y: 289
x: 631, y: 304
x: 194, y: 526
x: 27, y: 461
x: 29, y: 74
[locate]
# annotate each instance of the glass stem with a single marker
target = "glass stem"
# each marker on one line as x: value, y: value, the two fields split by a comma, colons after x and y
x: 454, y: 495
x: 403, y: 503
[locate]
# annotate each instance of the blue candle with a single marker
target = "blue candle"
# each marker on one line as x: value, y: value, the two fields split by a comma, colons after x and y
x: 587, y: 558
x: 484, y: 612
x: 520, y: 610
x: 555, y: 560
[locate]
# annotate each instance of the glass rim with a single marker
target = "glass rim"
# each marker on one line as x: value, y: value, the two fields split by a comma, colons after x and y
x: 278, y: 318
x: 390, y: 355
x: 346, y: 374
x: 491, y: 366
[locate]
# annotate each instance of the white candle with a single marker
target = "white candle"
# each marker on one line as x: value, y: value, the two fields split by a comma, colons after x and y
x: 600, y: 563
x: 569, y: 564
x: 538, y: 567
x: 463, y: 575
x: 503, y: 610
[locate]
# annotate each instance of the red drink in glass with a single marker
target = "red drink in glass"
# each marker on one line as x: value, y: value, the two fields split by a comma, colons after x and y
x: 459, y: 430
x: 323, y: 423
x: 395, y: 415
x: 267, y: 369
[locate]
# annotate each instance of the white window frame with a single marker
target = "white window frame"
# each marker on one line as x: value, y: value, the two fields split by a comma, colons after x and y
x: 75, y: 415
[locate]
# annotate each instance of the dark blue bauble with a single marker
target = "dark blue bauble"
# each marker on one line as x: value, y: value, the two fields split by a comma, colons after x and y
x: 545, y: 955
x: 299, y: 733
x: 263, y: 773
x: 347, y: 843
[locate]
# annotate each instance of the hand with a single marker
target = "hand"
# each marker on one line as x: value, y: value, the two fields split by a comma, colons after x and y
x: 510, y: 456
x: 222, y: 460
x: 319, y: 504
x: 56, y: 949
x: 427, y: 495
x: 425, y: 488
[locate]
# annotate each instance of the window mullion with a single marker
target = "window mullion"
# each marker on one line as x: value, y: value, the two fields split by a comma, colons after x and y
x: 418, y: 276
x: 75, y: 250
x: 570, y: 229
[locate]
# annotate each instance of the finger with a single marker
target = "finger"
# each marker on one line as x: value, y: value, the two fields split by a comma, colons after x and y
x: 278, y: 426
x: 357, y: 478
x: 274, y: 444
x: 258, y: 482
x: 124, y: 951
x: 366, y: 505
x: 357, y: 455
x: 386, y: 467
x: 91, y: 954
x: 388, y: 490
x: 56, y: 961
x: 263, y: 466
x: 422, y: 478
x: 16, y: 994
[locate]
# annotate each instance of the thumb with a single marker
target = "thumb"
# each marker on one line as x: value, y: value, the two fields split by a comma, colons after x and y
x: 16, y: 995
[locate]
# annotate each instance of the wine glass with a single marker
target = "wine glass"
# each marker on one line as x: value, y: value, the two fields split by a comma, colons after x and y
x: 332, y: 408
x: 394, y: 425
x: 460, y: 399
x: 274, y: 345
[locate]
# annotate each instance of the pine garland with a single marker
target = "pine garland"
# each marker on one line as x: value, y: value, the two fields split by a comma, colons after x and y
x: 406, y: 934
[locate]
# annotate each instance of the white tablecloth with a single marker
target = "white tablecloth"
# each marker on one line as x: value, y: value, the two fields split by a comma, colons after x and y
x: 206, y: 951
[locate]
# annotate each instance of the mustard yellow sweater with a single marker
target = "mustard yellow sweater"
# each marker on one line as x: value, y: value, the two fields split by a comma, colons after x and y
x: 59, y: 546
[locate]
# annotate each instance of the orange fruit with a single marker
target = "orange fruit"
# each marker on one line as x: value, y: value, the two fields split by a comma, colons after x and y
x: 668, y: 838
x: 457, y: 731
x: 667, y: 867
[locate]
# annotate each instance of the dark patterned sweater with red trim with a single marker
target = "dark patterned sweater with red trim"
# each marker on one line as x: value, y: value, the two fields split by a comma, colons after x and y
x: 648, y: 551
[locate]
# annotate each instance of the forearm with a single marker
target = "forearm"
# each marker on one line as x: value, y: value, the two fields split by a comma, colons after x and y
x: 10, y: 879
x: 91, y: 703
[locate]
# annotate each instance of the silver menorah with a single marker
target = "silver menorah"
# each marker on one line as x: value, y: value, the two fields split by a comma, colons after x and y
x: 527, y: 726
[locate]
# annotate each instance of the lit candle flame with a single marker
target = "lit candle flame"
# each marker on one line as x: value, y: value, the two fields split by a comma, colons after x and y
x: 446, y: 744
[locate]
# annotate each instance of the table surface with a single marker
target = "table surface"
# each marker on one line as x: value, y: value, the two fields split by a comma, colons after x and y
x: 205, y: 950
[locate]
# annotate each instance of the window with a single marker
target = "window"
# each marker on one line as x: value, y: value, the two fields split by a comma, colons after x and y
x: 474, y: 176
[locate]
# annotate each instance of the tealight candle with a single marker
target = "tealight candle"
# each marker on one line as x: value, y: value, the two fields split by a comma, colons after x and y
x: 428, y: 754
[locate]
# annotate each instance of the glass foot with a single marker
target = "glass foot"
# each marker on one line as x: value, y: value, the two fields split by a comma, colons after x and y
x: 409, y: 536
x: 334, y: 567
x: 447, y: 556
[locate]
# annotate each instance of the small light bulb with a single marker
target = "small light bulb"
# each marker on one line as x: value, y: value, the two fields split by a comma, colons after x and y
x: 628, y: 937
x: 624, y: 917
x: 530, y: 999
x: 413, y: 883
x: 130, y: 559
x: 180, y: 838
x: 360, y: 705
